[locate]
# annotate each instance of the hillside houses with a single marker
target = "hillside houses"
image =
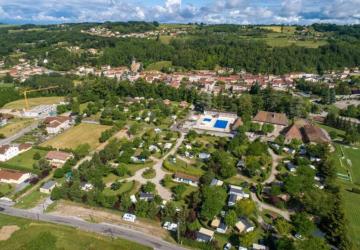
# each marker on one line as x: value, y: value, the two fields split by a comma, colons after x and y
x: 10, y: 151
x: 55, y: 125
x: 276, y: 119
x: 13, y: 177
x: 58, y: 158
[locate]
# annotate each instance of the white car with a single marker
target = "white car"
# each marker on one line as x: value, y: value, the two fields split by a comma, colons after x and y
x: 227, y: 246
x: 129, y: 217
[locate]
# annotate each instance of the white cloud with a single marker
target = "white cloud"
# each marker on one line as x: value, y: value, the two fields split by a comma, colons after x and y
x: 210, y: 11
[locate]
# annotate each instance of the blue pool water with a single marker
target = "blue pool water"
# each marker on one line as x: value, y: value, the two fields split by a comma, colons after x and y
x: 220, y: 124
x: 207, y: 119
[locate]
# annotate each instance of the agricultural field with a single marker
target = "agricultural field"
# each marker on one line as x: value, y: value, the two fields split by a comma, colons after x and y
x: 38, y: 235
x: 20, y: 104
x: 81, y: 134
x: 14, y: 126
x: 26, y: 160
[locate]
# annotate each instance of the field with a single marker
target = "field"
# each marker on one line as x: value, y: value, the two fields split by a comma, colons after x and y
x: 40, y: 236
x: 181, y: 166
x: 159, y: 65
x: 31, y: 200
x: 5, y: 189
x: 20, y: 104
x: 125, y: 187
x: 14, y: 126
x: 347, y: 160
x: 25, y: 160
x: 81, y: 134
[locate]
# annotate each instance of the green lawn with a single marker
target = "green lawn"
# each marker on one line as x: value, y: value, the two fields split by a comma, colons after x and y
x: 45, y: 236
x: 25, y: 160
x: 124, y: 188
x: 351, y: 163
x: 329, y: 129
x: 5, y: 189
x: 183, y: 167
x: 30, y: 200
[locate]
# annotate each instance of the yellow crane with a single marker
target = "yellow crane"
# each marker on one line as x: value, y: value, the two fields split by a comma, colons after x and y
x: 34, y: 90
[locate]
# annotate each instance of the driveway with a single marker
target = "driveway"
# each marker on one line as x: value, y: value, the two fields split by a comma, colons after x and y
x: 160, y: 172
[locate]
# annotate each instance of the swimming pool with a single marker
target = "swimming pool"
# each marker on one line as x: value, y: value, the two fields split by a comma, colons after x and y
x: 220, y: 124
x: 207, y: 120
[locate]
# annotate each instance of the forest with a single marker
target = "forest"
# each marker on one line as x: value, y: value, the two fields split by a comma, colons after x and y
x: 205, y: 47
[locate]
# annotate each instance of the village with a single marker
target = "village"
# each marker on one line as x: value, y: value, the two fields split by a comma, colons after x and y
x: 164, y: 152
x: 216, y: 158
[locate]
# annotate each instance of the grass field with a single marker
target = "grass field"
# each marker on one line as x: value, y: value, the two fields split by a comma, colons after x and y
x: 14, y: 126
x: 25, y: 160
x: 166, y: 39
x: 20, y: 104
x: 5, y: 188
x: 181, y: 166
x: 347, y: 160
x: 159, y: 65
x: 124, y: 188
x: 31, y: 200
x: 40, y: 236
x: 81, y: 134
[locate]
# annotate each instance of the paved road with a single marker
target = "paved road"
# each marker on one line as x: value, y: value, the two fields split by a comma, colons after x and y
x: 160, y: 172
x: 276, y: 159
x: 19, y: 134
x: 102, y: 228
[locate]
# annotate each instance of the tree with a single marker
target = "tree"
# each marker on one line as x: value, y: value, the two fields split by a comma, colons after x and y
x: 267, y: 128
x: 179, y: 191
x: 75, y: 107
x: 231, y: 218
x: 312, y: 243
x: 223, y: 164
x: 302, y: 224
x: 82, y: 150
x: 59, y: 173
x: 125, y: 202
x: 248, y: 239
x: 149, y: 187
x: 56, y: 193
x: 37, y: 156
x: 283, y: 227
x: 245, y: 207
x: 213, y: 201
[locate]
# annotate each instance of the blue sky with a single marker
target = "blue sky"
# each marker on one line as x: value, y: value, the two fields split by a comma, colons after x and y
x: 182, y: 11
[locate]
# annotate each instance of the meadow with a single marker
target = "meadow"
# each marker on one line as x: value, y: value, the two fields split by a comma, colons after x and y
x: 75, y: 136
x: 20, y: 104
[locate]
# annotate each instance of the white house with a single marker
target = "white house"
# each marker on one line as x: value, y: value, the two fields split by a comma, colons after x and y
x: 55, y: 125
x: 7, y: 152
x: 187, y: 179
x: 244, y: 225
x: 13, y: 177
x: 48, y: 187
x: 58, y: 158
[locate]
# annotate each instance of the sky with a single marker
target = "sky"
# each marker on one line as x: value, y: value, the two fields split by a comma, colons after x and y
x: 181, y: 11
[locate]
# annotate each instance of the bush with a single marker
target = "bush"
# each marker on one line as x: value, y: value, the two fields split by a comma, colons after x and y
x: 37, y: 156
x: 59, y: 173
x: 355, y: 190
